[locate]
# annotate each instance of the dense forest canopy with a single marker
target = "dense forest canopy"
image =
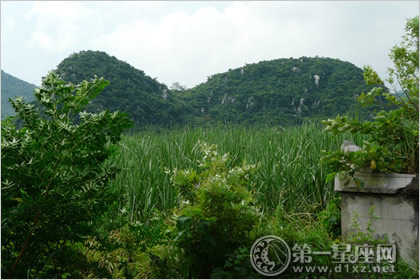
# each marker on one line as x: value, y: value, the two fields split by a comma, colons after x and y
x: 10, y: 88
x: 147, y: 101
x: 281, y: 92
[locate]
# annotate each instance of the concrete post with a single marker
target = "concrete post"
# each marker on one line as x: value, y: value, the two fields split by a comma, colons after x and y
x: 388, y: 204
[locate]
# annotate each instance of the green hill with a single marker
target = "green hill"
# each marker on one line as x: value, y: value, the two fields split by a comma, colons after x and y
x: 12, y: 87
x: 281, y: 91
x: 147, y: 101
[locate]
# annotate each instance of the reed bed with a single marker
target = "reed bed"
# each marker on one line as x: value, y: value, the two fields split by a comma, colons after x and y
x: 290, y: 174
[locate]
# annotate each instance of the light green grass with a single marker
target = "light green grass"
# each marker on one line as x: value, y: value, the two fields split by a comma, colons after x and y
x: 290, y: 171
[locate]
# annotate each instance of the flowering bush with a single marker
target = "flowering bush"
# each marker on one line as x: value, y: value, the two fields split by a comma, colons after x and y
x: 216, y: 213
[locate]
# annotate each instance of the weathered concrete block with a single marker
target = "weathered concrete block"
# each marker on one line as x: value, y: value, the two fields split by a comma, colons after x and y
x: 374, y: 182
x: 386, y: 203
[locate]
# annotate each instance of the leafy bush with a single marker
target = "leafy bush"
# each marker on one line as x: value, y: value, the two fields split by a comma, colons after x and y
x: 392, y: 137
x: 118, y: 256
x: 133, y: 250
x: 330, y: 217
x: 216, y: 212
x: 54, y: 177
x: 297, y: 228
x: 237, y: 266
x: 306, y: 228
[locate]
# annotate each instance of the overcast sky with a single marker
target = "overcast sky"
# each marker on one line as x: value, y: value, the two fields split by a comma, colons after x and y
x: 186, y: 42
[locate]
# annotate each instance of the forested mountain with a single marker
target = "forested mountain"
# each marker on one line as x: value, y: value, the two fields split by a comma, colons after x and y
x: 12, y: 87
x: 282, y: 91
x: 147, y: 101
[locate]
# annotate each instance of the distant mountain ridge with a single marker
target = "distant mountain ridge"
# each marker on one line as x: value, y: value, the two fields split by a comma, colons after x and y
x: 284, y: 91
x: 12, y: 87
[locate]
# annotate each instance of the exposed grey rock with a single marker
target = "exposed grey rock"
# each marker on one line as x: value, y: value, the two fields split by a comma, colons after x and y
x: 250, y: 102
x: 349, y: 146
x: 316, y: 79
x: 165, y: 94
x: 224, y: 99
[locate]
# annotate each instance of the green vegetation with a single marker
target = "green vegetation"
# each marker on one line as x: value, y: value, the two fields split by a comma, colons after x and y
x: 146, y: 231
x: 278, y: 92
x: 81, y: 200
x: 54, y: 180
x: 216, y: 213
x: 392, y: 137
x: 289, y: 170
x: 147, y: 101
x: 170, y: 189
x: 12, y: 87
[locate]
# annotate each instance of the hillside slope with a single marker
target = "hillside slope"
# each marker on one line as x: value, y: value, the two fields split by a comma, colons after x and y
x: 12, y: 87
x: 147, y: 101
x: 281, y: 91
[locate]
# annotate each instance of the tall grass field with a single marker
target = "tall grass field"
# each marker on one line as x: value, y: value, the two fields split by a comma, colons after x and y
x: 290, y: 172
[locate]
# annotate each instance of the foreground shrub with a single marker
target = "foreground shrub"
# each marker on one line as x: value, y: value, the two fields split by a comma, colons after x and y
x: 133, y: 250
x: 216, y: 212
x: 392, y: 138
x: 117, y: 256
x: 314, y: 233
x: 54, y: 180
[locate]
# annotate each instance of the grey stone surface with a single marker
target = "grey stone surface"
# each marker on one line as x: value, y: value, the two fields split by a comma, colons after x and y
x: 373, y: 182
x: 388, y: 204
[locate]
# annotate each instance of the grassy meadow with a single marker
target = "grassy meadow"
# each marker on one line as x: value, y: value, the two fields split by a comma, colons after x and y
x: 290, y: 172
x: 152, y: 226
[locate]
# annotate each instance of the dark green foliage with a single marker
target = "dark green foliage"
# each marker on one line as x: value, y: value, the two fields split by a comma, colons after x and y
x: 298, y: 228
x: 315, y: 231
x: 216, y: 213
x: 236, y: 266
x: 330, y: 217
x: 12, y: 87
x: 62, y: 217
x: 281, y: 91
x: 146, y: 101
x: 392, y: 137
x: 119, y: 254
x: 133, y: 250
x: 54, y: 180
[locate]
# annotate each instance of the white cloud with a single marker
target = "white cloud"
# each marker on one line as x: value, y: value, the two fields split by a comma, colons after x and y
x: 43, y: 40
x: 187, y: 47
x: 188, y: 41
x: 57, y: 26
